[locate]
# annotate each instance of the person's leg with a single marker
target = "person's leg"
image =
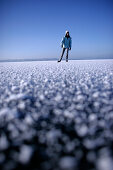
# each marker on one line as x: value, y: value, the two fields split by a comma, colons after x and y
x: 67, y: 54
x: 62, y: 55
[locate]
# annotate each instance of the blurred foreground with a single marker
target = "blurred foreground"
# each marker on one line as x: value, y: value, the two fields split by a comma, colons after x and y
x: 56, y: 116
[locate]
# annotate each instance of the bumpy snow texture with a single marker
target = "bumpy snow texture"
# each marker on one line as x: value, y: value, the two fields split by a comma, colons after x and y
x: 56, y: 116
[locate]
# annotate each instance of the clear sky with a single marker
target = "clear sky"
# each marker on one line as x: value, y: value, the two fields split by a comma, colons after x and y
x: 34, y: 28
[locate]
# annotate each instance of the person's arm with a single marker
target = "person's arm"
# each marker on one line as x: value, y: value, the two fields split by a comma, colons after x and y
x: 62, y: 41
x: 70, y: 44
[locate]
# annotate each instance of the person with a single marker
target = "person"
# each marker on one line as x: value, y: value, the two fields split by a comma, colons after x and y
x: 66, y: 45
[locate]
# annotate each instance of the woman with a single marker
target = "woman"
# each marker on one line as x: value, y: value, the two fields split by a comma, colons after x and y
x: 66, y: 44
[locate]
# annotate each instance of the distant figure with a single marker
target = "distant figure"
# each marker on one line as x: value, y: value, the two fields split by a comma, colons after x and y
x: 66, y: 44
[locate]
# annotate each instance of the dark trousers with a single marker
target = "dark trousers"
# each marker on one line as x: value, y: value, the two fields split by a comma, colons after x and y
x: 67, y: 50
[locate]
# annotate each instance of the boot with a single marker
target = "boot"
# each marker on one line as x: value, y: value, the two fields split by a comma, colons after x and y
x: 59, y: 61
x: 66, y: 59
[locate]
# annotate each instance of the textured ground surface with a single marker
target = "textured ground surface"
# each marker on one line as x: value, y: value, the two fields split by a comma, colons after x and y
x: 56, y: 116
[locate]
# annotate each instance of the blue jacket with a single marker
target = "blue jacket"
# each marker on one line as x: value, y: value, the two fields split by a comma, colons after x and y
x: 66, y: 42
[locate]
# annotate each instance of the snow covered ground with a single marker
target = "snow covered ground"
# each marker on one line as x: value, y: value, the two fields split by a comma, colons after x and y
x: 56, y: 115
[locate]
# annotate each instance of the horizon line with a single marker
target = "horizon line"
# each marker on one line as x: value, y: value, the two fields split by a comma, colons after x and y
x: 52, y: 59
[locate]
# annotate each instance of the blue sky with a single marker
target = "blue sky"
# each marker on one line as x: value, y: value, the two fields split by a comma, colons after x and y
x: 34, y: 28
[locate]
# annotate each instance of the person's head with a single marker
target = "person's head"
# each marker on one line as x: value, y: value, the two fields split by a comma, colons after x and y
x: 67, y: 33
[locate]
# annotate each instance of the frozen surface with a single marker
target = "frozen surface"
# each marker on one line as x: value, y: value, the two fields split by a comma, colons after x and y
x: 56, y: 115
